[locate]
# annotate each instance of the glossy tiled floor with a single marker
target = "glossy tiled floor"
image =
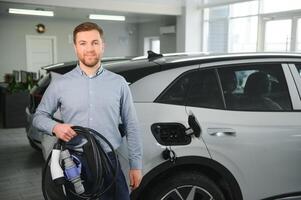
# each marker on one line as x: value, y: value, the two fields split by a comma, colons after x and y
x: 20, y: 167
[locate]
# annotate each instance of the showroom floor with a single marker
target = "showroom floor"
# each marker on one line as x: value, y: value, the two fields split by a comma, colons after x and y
x: 20, y: 167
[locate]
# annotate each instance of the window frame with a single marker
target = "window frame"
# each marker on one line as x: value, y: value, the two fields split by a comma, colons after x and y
x: 296, y: 76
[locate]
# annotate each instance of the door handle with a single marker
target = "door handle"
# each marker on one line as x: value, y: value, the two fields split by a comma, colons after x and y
x: 221, y: 132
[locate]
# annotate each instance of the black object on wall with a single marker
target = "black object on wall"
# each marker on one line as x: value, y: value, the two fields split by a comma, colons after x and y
x: 12, y: 110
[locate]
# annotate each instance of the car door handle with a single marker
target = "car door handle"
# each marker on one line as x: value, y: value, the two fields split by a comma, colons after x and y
x: 221, y: 132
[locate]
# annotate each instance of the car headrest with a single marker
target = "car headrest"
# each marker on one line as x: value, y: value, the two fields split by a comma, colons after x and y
x: 257, y: 84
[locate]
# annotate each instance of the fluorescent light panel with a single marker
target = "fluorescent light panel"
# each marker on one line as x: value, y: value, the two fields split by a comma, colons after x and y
x: 107, y: 17
x: 30, y: 12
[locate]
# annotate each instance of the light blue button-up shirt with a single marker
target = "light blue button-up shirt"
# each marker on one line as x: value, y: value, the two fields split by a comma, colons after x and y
x: 99, y: 102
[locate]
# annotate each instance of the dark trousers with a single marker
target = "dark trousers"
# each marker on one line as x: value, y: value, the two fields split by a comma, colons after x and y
x: 120, y: 190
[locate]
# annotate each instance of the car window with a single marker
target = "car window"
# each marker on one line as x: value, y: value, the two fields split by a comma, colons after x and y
x: 204, y: 90
x: 197, y: 88
x: 258, y: 87
x: 178, y: 89
x: 299, y: 69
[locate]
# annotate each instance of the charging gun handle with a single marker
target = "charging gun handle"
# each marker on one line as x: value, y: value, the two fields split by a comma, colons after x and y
x: 57, y: 173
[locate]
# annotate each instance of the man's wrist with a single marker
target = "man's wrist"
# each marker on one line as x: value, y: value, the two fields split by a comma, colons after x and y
x: 52, y: 129
x: 135, y: 164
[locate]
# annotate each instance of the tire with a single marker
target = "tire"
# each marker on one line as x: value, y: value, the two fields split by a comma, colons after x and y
x: 186, y: 186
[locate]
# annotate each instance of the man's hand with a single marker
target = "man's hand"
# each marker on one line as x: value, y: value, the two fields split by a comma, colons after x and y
x: 64, y: 132
x: 135, y: 178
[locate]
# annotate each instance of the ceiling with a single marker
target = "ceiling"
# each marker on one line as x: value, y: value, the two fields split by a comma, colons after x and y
x: 135, y: 11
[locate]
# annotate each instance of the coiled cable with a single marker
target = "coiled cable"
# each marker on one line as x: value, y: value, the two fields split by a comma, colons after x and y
x: 99, y: 163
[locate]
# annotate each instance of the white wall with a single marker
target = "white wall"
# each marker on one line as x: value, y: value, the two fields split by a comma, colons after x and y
x: 121, y: 39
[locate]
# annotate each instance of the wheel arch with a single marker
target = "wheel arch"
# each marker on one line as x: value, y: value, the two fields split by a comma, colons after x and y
x: 212, y: 169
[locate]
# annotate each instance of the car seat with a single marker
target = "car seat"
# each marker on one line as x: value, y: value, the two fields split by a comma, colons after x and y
x: 256, y: 93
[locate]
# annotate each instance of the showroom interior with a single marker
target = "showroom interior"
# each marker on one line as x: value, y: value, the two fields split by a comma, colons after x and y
x: 30, y: 42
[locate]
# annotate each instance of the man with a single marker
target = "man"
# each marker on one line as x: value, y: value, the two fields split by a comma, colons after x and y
x: 93, y: 97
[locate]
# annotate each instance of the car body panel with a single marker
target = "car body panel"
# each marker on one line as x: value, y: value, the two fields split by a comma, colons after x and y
x: 297, y: 80
x: 259, y: 151
x: 293, y: 85
x: 150, y: 113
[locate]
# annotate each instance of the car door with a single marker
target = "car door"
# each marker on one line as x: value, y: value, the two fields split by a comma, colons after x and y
x: 256, y: 132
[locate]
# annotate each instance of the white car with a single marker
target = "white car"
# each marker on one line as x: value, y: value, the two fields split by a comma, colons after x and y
x: 223, y: 127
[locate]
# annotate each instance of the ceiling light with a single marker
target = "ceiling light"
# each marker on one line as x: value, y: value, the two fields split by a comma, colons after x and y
x: 107, y: 17
x: 30, y: 12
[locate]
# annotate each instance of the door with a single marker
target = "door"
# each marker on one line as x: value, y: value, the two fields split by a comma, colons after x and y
x: 251, y: 129
x: 41, y: 51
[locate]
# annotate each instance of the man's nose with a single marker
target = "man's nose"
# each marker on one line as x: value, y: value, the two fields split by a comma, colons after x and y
x: 89, y: 47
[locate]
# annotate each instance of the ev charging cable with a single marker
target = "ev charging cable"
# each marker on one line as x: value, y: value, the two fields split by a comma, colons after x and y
x: 99, y: 162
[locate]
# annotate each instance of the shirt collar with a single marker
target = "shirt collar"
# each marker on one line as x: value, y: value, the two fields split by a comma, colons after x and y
x: 98, y: 72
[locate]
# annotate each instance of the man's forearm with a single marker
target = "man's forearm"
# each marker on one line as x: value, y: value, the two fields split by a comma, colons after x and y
x: 43, y: 122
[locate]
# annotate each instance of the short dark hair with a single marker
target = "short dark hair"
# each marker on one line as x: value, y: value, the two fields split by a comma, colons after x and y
x: 87, y: 26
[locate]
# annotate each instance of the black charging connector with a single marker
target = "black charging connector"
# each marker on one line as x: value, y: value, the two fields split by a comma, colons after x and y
x: 169, y: 154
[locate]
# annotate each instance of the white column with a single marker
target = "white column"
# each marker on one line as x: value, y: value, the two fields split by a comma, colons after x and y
x: 189, y: 28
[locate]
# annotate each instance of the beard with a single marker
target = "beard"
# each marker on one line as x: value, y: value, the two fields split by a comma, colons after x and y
x: 90, y: 61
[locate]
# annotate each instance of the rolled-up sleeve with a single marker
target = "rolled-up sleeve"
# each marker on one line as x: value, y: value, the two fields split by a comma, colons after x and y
x: 49, y: 104
x: 130, y: 121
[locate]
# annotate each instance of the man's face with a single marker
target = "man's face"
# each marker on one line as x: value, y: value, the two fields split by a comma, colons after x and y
x: 89, y: 48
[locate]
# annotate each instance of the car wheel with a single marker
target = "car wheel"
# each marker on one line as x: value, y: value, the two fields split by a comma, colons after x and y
x: 186, y: 186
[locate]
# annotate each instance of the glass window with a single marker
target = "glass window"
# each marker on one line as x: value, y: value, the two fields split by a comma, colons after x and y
x: 177, y: 91
x: 219, y: 12
x: 278, y: 35
x: 243, y: 34
x: 215, y: 29
x: 215, y: 36
x: 255, y: 87
x: 268, y: 6
x: 204, y: 90
x: 244, y: 9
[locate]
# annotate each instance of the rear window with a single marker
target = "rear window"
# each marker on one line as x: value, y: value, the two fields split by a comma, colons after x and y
x: 132, y: 76
x: 134, y: 70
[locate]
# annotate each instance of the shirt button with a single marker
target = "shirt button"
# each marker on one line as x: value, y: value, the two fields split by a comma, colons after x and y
x: 91, y: 119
